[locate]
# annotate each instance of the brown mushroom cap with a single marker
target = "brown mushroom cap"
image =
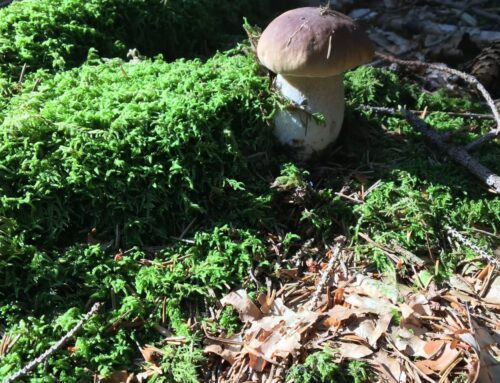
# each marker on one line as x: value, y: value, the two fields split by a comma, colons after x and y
x: 313, y: 42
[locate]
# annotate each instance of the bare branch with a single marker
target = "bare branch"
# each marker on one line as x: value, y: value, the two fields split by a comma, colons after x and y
x: 54, y: 348
x: 479, y: 251
x: 458, y: 154
x: 443, y: 68
x: 490, y: 136
x: 324, y: 276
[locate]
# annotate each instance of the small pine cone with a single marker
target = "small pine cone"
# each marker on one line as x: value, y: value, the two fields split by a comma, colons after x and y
x: 486, y: 68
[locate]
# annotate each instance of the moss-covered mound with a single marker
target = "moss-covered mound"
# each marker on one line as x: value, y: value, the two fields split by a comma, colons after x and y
x: 142, y: 147
x: 57, y: 34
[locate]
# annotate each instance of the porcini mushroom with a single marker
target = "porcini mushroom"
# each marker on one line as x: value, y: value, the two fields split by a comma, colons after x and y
x: 309, y: 49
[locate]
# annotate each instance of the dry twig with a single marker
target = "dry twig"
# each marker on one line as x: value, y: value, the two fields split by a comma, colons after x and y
x: 457, y: 153
x: 54, y: 348
x: 443, y: 68
x: 467, y: 242
x: 324, y: 276
x: 490, y: 136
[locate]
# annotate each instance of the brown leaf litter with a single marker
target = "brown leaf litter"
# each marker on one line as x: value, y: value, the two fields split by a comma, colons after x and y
x: 406, y: 333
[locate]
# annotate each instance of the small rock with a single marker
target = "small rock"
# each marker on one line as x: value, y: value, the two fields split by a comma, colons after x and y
x: 365, y: 14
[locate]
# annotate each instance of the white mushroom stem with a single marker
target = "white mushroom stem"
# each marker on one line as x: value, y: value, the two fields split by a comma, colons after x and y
x: 296, y: 126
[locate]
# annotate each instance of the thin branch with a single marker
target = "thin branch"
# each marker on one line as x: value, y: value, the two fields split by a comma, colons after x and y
x: 479, y: 116
x: 490, y: 136
x: 52, y: 350
x: 324, y: 276
x: 23, y: 73
x: 479, y: 251
x: 458, y: 154
x: 443, y: 68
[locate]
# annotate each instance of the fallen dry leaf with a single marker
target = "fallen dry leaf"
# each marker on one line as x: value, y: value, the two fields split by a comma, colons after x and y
x: 410, y: 319
x: 340, y: 313
x: 143, y: 377
x: 484, y: 272
x: 147, y: 354
x: 493, y: 295
x: 408, y: 343
x: 277, y: 343
x: 331, y: 322
x: 266, y: 301
x: 228, y: 352
x: 419, y: 304
x: 213, y: 348
x: 459, y: 283
x: 353, y: 351
x: 375, y: 289
x: 256, y: 360
x: 389, y: 366
x: 277, y: 335
x: 247, y: 310
x: 433, y: 347
x: 445, y: 358
x: 482, y: 342
x: 380, y: 328
x: 370, y: 305
x: 339, y: 296
x: 364, y: 329
x: 117, y: 377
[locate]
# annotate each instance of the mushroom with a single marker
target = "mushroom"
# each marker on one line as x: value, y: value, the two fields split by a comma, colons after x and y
x: 309, y: 48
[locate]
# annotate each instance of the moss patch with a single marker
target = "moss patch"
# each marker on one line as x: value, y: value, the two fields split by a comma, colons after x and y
x: 57, y: 34
x: 150, y: 148
x: 146, y: 146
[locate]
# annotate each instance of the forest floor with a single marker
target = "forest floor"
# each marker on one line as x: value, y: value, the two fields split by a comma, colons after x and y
x: 376, y: 261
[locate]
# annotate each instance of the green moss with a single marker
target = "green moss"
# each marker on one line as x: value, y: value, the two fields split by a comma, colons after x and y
x: 56, y: 286
x: 377, y: 87
x: 421, y: 193
x: 440, y: 100
x: 149, y: 148
x: 146, y: 146
x: 319, y: 367
x: 229, y: 320
x: 359, y: 371
x: 415, y: 213
x: 57, y: 34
